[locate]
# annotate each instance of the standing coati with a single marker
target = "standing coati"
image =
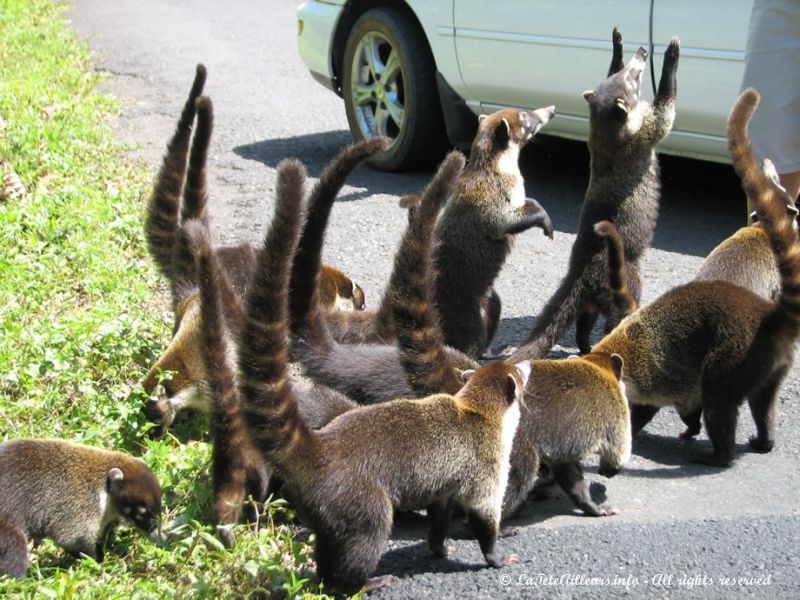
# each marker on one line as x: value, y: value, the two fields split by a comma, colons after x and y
x: 346, y: 479
x: 182, y: 358
x: 71, y: 493
x: 709, y: 345
x: 624, y: 188
x: 366, y: 373
x: 475, y: 231
x: 575, y: 408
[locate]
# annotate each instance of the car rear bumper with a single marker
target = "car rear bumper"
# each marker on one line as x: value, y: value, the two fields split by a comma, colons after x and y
x: 317, y: 20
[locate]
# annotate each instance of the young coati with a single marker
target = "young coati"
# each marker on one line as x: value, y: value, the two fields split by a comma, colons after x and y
x: 624, y: 188
x: 70, y: 493
x: 346, y: 479
x: 575, y: 407
x: 475, y: 231
x: 182, y: 358
x: 366, y: 373
x: 709, y: 345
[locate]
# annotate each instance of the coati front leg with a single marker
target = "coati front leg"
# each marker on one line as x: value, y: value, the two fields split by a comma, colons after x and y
x: 641, y: 415
x: 667, y: 85
x: 531, y: 214
x: 569, y: 476
x: 764, y: 408
x: 13, y: 550
x: 484, y: 523
x: 692, y: 421
x: 439, y: 514
x: 617, y: 62
x: 584, y: 325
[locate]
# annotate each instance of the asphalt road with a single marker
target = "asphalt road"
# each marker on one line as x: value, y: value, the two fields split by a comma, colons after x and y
x: 683, y: 527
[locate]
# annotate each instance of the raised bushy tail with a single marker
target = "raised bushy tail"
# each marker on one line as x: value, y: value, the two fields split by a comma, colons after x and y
x: 428, y: 366
x: 184, y: 269
x: 235, y: 474
x: 621, y: 297
x: 161, y: 222
x: 268, y: 403
x: 770, y: 201
x: 304, y: 304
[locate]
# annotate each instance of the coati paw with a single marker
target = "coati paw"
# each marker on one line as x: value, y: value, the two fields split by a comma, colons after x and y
x: 508, y: 531
x: 760, y: 445
x: 605, y: 510
x: 375, y: 583
x: 688, y: 433
x: 497, y: 561
x: 673, y: 52
x: 443, y: 551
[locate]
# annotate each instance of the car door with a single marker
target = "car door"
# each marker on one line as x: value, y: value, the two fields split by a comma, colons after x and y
x: 713, y: 38
x: 532, y: 53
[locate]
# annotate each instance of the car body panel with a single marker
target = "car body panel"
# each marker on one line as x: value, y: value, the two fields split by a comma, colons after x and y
x: 533, y: 53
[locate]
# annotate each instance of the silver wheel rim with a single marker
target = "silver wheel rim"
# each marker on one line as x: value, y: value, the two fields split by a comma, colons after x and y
x: 376, y: 87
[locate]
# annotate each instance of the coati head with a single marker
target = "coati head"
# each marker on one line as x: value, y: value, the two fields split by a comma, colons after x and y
x: 485, y: 385
x: 337, y: 291
x: 502, y: 134
x: 135, y: 496
x: 617, y: 98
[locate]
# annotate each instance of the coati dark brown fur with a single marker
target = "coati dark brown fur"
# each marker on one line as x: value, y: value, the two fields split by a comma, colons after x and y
x: 573, y: 409
x: 622, y: 299
x: 476, y: 229
x: 187, y: 388
x: 624, y: 188
x: 69, y: 493
x: 709, y: 345
x: 366, y: 373
x: 346, y: 479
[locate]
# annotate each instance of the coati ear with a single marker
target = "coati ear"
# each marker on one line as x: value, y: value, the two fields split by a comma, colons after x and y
x: 524, y: 369
x: 114, y: 479
x: 587, y: 94
x: 502, y: 133
x: 465, y: 375
x: 621, y: 105
x: 753, y: 217
x: 616, y: 364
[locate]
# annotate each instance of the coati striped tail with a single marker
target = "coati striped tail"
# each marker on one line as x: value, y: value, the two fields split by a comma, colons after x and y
x: 161, y: 222
x: 228, y: 463
x: 269, y: 407
x: 304, y: 296
x: 623, y: 300
x: 744, y: 163
x: 184, y: 278
x: 416, y: 321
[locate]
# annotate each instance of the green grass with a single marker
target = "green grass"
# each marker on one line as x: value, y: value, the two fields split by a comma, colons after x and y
x: 82, y: 318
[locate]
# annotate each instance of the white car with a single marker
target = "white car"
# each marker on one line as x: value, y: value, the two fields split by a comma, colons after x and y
x: 420, y: 71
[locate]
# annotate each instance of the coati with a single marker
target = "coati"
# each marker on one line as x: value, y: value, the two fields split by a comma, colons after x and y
x: 709, y: 345
x: 182, y: 358
x: 70, y: 493
x: 624, y: 188
x: 346, y: 479
x: 575, y: 407
x: 475, y: 231
x: 366, y: 373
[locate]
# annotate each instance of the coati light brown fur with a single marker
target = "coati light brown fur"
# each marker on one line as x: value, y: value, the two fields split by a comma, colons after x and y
x: 573, y: 409
x: 366, y: 373
x: 476, y: 229
x: 624, y: 188
x: 709, y: 345
x: 70, y: 493
x: 187, y: 388
x: 346, y: 479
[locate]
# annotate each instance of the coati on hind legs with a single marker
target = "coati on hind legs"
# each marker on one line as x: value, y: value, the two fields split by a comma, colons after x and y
x: 346, y: 479
x: 709, y: 345
x: 624, y: 188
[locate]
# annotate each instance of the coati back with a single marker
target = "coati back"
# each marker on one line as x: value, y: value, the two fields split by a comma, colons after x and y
x: 624, y: 188
x: 709, y: 345
x: 70, y: 493
x: 187, y: 387
x: 346, y: 479
x: 575, y: 408
x: 475, y: 231
x: 366, y: 373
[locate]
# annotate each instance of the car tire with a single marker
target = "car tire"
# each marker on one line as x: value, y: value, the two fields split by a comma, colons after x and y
x: 389, y: 88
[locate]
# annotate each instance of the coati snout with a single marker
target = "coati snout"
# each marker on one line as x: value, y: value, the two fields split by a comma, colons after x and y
x: 511, y: 126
